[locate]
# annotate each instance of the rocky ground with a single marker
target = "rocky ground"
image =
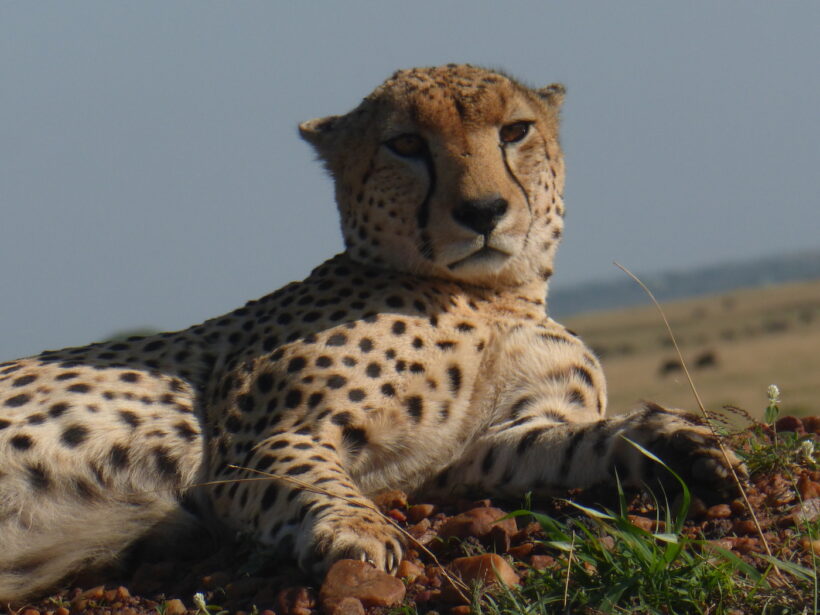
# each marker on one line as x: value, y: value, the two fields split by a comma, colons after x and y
x: 453, y: 540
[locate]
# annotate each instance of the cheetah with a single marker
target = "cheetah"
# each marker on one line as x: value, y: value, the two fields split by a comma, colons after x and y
x: 421, y: 358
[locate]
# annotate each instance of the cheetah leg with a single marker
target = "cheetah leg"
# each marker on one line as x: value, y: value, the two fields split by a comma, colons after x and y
x: 309, y: 506
x: 544, y: 456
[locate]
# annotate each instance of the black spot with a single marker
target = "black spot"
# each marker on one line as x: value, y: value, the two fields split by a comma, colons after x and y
x: 264, y: 382
x: 373, y: 370
x: 356, y: 395
x: 296, y: 364
x: 279, y: 444
x: 130, y: 377
x: 519, y: 405
x: 446, y: 345
x: 293, y: 398
x: 21, y: 442
x: 342, y: 419
x: 315, y: 399
x: 554, y: 416
x: 583, y: 374
x: 233, y: 423
x: 74, y: 435
x: 577, y: 397
x: 23, y: 381
x: 464, y: 327
x: 152, y: 346
x: 551, y: 337
x: 417, y: 368
x: 395, y: 301
x: 454, y: 374
x: 354, y: 439
x: 418, y: 343
x: 130, y: 418
x: 336, y: 381
x: 398, y: 327
x: 67, y: 376
x: 4, y: 423
x: 415, y: 407
x: 569, y: 452
x: 57, y: 410
x: 269, y: 497
x: 38, y: 477
x: 300, y: 469
x: 529, y: 439
x: 17, y: 400
x: 185, y: 431
x: 79, y: 388
x: 365, y: 345
x: 487, y: 462
x: 84, y: 489
x: 36, y: 419
x: 270, y: 343
x: 337, y: 339
x: 118, y: 457
x: 388, y: 390
x: 166, y: 464
x: 324, y: 361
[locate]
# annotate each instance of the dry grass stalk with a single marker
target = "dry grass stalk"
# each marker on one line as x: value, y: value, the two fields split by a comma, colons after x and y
x: 717, y: 436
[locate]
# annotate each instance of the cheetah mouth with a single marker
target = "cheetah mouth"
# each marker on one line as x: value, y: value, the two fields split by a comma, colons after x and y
x: 484, y: 257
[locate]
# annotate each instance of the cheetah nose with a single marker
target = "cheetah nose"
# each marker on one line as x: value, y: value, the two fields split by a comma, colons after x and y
x: 481, y: 215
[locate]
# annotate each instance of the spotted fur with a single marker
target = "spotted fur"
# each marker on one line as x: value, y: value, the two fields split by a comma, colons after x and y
x: 421, y: 358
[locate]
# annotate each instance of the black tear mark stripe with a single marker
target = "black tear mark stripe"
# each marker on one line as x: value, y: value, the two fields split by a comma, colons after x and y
x: 423, y: 213
x: 515, y: 178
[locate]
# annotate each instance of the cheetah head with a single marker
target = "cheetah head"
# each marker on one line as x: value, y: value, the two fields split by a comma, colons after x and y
x: 453, y: 172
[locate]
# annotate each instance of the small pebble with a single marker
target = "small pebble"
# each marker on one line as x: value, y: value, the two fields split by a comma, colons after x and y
x: 718, y: 511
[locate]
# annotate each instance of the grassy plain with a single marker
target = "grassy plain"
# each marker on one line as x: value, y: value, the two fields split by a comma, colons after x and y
x: 735, y: 345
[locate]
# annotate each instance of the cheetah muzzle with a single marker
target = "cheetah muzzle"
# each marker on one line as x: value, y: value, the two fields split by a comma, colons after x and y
x: 421, y: 358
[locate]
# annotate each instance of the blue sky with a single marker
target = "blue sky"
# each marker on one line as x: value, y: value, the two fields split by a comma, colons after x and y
x: 151, y: 173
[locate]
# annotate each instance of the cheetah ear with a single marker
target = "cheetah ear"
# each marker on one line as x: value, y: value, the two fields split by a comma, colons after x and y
x: 317, y: 131
x: 553, y: 94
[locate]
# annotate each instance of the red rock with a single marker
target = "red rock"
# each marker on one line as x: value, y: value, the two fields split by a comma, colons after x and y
x: 811, y: 424
x: 349, y: 606
x: 541, y: 562
x: 790, y: 423
x: 718, y: 511
x: 806, y: 512
x: 477, y: 522
x: 352, y: 578
x: 521, y: 551
x: 397, y: 515
x: 174, y: 607
x: 409, y: 570
x: 746, y: 544
x: 808, y: 488
x: 744, y: 526
x: 295, y: 601
x: 488, y: 569
x: 810, y: 546
x: 420, y: 511
x: 390, y: 499
x: 646, y: 524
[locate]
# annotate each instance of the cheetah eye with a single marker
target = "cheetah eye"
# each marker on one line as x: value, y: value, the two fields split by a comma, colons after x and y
x: 513, y: 133
x: 407, y: 145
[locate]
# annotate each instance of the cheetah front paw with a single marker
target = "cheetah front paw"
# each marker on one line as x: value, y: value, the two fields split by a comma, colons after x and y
x: 691, y: 450
x: 354, y: 534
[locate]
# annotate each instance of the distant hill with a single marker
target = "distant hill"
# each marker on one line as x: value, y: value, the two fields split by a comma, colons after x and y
x: 607, y: 295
